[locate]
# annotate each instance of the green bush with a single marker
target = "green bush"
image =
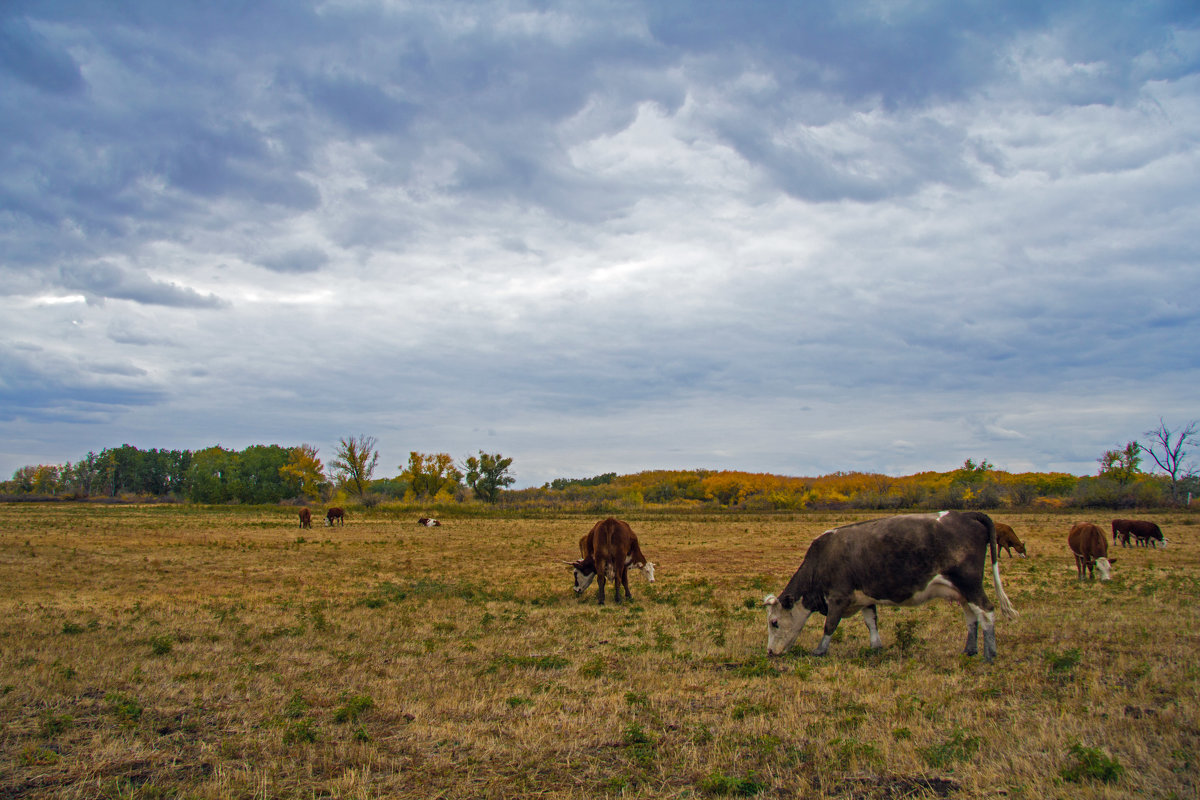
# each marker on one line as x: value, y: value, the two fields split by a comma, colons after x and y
x: 1091, y: 764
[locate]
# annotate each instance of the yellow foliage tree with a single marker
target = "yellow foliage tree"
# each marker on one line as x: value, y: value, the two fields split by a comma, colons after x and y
x: 306, y: 470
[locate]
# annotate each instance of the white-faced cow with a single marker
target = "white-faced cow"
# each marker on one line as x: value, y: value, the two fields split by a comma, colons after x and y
x: 335, y: 513
x: 1090, y: 548
x: 1006, y: 538
x: 305, y: 518
x: 606, y: 552
x: 428, y: 522
x: 905, y: 561
x: 1146, y: 533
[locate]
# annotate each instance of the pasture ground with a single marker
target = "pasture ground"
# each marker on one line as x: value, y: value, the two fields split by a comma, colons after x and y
x: 195, y: 652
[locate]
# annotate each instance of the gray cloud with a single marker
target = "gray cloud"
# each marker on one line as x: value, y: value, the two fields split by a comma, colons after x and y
x: 109, y: 281
x: 792, y: 238
x: 299, y: 260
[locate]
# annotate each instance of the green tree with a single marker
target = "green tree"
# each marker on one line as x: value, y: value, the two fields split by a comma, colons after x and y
x: 355, y: 462
x: 1168, y: 448
x: 212, y: 477
x: 430, y: 474
x: 1121, y: 465
x: 488, y: 474
x: 971, y: 473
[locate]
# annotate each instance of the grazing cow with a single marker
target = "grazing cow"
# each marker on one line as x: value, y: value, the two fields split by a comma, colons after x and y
x: 585, y: 567
x: 905, y: 560
x: 1146, y: 533
x: 1090, y: 548
x: 335, y: 513
x: 428, y: 523
x: 305, y: 518
x: 1006, y: 537
x: 607, y: 551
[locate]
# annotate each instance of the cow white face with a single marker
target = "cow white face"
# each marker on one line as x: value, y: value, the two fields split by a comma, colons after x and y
x: 582, y: 579
x: 783, y: 624
x: 1104, y: 567
x: 648, y: 568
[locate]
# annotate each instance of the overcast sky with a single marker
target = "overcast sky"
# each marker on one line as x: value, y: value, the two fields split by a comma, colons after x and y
x: 601, y: 236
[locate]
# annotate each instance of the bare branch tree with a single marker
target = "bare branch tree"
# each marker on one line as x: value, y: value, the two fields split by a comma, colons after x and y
x: 1168, y: 449
x: 355, y: 462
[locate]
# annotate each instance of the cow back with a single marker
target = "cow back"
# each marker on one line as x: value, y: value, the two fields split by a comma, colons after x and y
x: 888, y: 558
x: 1087, y: 540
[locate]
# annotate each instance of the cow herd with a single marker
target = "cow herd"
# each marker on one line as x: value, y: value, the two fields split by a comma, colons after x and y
x: 336, y: 515
x: 905, y: 560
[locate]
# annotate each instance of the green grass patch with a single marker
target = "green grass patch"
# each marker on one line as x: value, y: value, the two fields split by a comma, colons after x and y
x: 1091, y: 764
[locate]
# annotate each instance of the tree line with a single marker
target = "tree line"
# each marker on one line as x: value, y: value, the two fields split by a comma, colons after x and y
x: 264, y: 474
x: 273, y: 473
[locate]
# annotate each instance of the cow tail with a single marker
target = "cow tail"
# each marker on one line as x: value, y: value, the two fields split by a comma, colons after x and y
x: 1006, y: 607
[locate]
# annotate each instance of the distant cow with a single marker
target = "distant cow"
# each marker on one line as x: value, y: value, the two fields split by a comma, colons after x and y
x: 1146, y: 533
x: 1006, y: 537
x: 585, y: 567
x: 1090, y: 548
x: 607, y: 551
x: 428, y: 523
x: 335, y: 513
x: 905, y: 560
x: 305, y: 518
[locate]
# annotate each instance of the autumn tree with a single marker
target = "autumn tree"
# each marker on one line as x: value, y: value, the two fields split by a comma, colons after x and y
x: 1121, y: 465
x: 488, y: 474
x: 429, y: 474
x: 355, y: 462
x: 305, y: 470
x: 971, y: 473
x: 1168, y: 448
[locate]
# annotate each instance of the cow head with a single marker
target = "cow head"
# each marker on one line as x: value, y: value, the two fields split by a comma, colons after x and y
x: 1104, y: 567
x: 785, y: 620
x: 585, y: 573
x: 648, y: 568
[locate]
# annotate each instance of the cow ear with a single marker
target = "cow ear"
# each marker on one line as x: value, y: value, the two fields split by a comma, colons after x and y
x: 1112, y: 561
x: 787, y: 602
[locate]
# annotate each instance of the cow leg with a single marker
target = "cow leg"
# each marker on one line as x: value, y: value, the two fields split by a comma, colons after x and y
x: 625, y: 582
x: 600, y: 580
x: 832, y: 618
x: 872, y: 620
x: 972, y: 620
x: 989, y: 635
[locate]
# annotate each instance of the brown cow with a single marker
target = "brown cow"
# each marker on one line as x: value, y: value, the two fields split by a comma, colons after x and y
x: 1090, y: 547
x: 305, y: 518
x: 428, y: 522
x: 335, y: 513
x: 608, y: 551
x: 1146, y: 533
x: 1006, y: 537
x: 585, y: 567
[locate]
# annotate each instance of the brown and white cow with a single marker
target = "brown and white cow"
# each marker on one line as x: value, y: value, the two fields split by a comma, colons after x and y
x: 335, y: 513
x: 585, y: 567
x: 905, y: 560
x: 1006, y: 537
x: 606, y: 553
x: 1146, y: 533
x: 428, y: 522
x: 305, y: 518
x: 1090, y: 548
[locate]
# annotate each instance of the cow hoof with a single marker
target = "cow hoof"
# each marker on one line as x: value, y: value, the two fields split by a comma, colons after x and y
x: 969, y: 652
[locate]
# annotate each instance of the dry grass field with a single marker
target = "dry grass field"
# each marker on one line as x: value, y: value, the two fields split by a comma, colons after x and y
x: 174, y: 651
